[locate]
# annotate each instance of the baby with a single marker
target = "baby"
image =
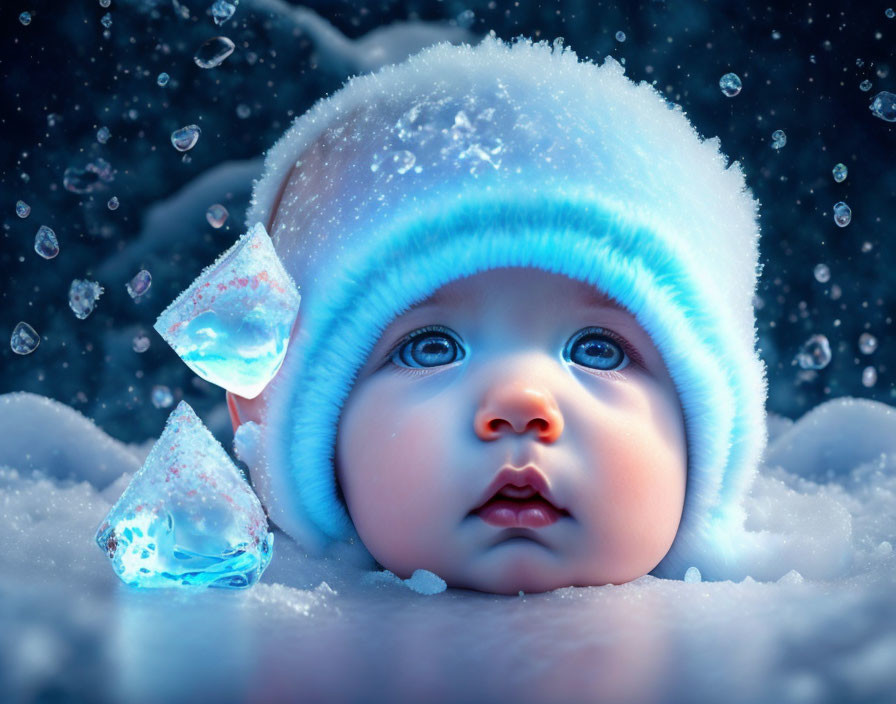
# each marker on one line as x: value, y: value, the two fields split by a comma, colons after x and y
x: 525, y: 354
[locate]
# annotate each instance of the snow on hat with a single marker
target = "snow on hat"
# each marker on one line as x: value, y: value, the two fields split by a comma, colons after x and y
x: 463, y: 159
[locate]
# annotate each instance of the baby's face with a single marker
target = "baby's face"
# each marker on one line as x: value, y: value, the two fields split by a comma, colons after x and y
x: 515, y: 368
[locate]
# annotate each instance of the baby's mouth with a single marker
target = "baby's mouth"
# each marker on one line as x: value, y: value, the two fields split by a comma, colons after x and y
x: 519, y: 507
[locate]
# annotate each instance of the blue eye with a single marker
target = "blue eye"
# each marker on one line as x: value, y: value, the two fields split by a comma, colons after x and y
x: 597, y: 349
x: 431, y: 346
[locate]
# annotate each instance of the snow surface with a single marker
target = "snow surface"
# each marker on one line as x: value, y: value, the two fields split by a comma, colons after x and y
x: 816, y: 622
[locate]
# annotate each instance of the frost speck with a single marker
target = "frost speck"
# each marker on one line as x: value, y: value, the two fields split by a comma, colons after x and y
x: 140, y: 284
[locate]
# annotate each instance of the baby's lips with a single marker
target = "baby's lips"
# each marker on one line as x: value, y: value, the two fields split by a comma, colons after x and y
x: 520, y: 484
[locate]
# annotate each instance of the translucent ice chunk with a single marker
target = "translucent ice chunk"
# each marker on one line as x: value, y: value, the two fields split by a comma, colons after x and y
x: 45, y: 242
x: 161, y: 396
x: 162, y: 79
x: 730, y: 84
x: 185, y: 138
x: 23, y: 210
x: 842, y: 214
x: 103, y: 134
x: 815, y: 353
x: 426, y: 582
x: 106, y: 20
x: 25, y: 18
x: 865, y: 86
x: 884, y: 106
x: 92, y: 177
x: 24, y: 339
x: 840, y: 171
x: 822, y: 273
x: 187, y: 518
x: 139, y: 285
x: 222, y: 11
x: 213, y: 52
x: 232, y: 325
x: 113, y: 203
x: 216, y: 215
x: 620, y: 36
x: 692, y: 575
x: 82, y: 297
x: 867, y: 343
x: 779, y: 139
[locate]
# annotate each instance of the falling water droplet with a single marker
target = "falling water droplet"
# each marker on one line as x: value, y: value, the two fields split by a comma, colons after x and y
x: 867, y: 343
x: 779, y: 139
x: 105, y: 3
x: 213, y: 52
x: 113, y: 203
x: 82, y: 297
x: 103, y: 134
x: 23, y: 210
x: 869, y: 377
x: 842, y: 214
x: 890, y: 13
x: 840, y: 171
x: 161, y: 396
x: 24, y: 339
x: 730, y: 84
x: 883, y: 105
x: 776, y: 34
x: 185, y: 138
x: 162, y: 80
x: 139, y: 284
x: 620, y: 36
x: 216, y: 215
x: 822, y: 273
x: 25, y: 18
x: 243, y: 111
x: 865, y: 85
x: 815, y: 353
x: 45, y: 242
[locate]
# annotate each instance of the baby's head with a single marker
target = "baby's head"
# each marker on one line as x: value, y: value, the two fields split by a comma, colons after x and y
x: 525, y: 355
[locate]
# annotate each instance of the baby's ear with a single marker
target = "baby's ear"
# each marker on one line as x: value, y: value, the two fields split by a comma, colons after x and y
x: 243, y: 409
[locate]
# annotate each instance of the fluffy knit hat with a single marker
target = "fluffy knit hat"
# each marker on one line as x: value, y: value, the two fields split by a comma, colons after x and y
x: 463, y: 159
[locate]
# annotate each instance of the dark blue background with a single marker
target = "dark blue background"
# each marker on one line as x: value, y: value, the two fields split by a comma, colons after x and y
x: 62, y: 65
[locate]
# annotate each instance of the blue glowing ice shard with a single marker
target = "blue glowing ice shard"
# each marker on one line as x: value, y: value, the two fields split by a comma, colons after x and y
x: 232, y: 325
x: 188, y: 518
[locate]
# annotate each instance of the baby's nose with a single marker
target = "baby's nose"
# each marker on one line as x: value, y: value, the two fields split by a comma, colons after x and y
x: 521, y: 406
